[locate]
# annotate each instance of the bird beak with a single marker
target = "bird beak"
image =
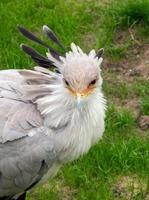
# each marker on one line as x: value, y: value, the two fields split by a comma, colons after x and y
x: 79, y: 100
x: 80, y: 95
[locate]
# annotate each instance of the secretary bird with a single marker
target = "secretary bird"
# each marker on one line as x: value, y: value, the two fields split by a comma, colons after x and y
x: 48, y: 116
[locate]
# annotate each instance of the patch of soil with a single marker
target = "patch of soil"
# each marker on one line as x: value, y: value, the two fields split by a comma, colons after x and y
x: 121, y: 38
x: 142, y: 68
x: 133, y: 105
x: 129, y: 188
x: 144, y: 122
x: 65, y: 192
x: 135, y: 64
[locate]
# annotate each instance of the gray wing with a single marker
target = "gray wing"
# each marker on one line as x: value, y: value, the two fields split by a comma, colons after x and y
x: 23, y: 163
x: 18, y: 112
x: 23, y: 159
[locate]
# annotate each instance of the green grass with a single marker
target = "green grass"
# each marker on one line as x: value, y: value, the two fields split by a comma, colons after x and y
x: 140, y: 88
x: 123, y: 151
x: 145, y: 105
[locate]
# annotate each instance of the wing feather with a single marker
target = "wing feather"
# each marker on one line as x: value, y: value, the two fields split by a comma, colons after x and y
x: 18, y: 111
x: 24, y: 158
x: 24, y: 162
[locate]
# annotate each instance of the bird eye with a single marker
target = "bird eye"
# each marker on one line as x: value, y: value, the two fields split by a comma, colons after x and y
x: 66, y: 82
x: 92, y: 82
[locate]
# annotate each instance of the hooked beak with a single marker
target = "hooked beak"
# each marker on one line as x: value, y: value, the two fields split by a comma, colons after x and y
x: 80, y: 95
x: 79, y: 100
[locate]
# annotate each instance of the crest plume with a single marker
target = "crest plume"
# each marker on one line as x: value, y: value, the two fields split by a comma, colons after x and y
x: 100, y: 53
x: 54, y: 59
x: 52, y: 36
x: 39, y: 59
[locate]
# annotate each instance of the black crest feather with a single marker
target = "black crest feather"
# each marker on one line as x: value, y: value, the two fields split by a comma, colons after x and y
x: 52, y: 36
x: 100, y: 53
x: 34, y: 38
x: 39, y: 59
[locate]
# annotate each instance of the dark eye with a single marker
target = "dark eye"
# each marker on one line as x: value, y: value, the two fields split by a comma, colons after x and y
x: 57, y: 71
x: 92, y: 82
x: 66, y: 82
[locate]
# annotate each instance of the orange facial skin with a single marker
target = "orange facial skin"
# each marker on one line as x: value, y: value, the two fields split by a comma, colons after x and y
x: 85, y: 92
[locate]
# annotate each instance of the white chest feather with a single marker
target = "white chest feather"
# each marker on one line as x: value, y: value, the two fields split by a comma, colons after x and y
x: 81, y: 127
x: 74, y: 130
x: 86, y: 128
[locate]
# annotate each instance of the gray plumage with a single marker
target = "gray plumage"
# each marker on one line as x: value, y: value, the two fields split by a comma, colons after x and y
x: 48, y: 118
x: 21, y: 156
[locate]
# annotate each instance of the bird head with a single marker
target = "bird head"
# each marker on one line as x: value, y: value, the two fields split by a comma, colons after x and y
x: 79, y: 72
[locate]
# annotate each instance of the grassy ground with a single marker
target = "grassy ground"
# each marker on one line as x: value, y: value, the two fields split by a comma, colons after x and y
x: 117, y: 168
